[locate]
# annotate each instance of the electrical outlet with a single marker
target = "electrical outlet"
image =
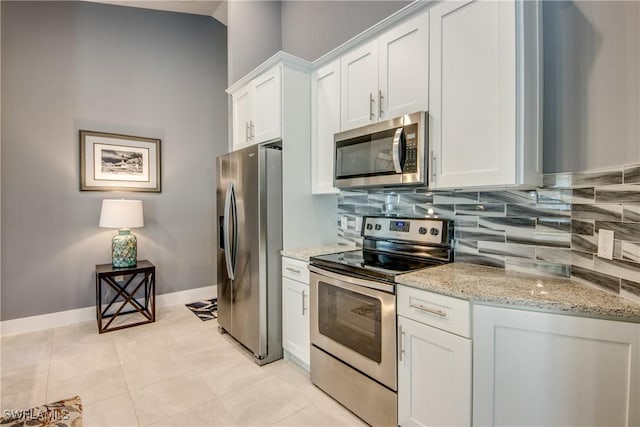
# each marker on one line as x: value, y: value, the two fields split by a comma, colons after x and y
x: 344, y: 222
x: 605, y: 244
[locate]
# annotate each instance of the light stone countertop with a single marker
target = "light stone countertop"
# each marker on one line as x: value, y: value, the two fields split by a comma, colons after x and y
x: 303, y: 254
x: 491, y: 285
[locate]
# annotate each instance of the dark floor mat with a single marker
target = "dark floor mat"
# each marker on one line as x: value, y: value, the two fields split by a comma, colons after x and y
x: 205, y: 310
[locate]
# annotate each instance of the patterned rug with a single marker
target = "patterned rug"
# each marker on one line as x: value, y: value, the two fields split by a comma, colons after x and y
x: 64, y: 413
x: 205, y: 310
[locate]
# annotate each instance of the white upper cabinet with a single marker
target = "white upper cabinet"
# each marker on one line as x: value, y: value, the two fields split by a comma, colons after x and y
x: 388, y: 76
x: 404, y: 68
x: 268, y: 105
x: 325, y: 114
x: 257, y: 110
x: 485, y: 94
x: 359, y: 88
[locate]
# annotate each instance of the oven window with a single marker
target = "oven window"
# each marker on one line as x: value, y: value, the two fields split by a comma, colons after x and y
x: 365, y: 156
x: 351, y: 319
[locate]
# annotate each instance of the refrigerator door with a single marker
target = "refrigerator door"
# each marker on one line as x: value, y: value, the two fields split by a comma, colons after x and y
x: 246, y: 286
x: 224, y: 282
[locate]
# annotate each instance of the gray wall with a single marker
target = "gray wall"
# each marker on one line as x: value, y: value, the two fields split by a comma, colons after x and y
x: 591, y: 78
x: 312, y: 28
x: 308, y: 29
x: 254, y: 35
x: 77, y: 65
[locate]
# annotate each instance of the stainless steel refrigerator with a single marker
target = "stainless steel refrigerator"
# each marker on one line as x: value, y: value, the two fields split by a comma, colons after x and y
x: 249, y: 200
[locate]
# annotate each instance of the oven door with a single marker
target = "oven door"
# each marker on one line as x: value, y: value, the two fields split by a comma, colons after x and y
x: 355, y: 322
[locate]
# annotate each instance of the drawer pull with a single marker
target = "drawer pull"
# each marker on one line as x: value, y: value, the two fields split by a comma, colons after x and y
x: 293, y: 270
x: 433, y: 311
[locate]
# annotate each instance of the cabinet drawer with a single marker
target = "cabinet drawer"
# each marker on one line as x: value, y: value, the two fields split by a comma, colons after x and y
x: 295, y: 269
x: 440, y: 311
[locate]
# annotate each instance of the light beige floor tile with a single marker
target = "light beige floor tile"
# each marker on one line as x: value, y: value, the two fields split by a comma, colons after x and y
x: 86, y: 362
x: 170, y: 397
x: 139, y: 342
x: 171, y: 314
x: 265, y: 402
x: 26, y: 399
x: 341, y: 415
x: 82, y: 341
x: 78, y: 329
x: 91, y: 387
x: 211, y: 413
x: 297, y: 377
x: 24, y: 378
x: 231, y: 372
x: 141, y: 373
x: 315, y: 417
x: 26, y: 349
x: 115, y: 412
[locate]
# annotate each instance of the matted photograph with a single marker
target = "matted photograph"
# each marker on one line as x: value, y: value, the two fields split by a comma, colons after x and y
x: 112, y: 162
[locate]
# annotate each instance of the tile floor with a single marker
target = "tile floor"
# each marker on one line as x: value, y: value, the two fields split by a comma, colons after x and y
x: 178, y: 371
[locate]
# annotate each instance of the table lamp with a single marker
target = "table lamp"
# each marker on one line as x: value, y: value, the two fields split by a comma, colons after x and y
x: 122, y: 214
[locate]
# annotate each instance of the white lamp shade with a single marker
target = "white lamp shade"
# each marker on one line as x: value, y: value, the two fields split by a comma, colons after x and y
x: 121, y: 214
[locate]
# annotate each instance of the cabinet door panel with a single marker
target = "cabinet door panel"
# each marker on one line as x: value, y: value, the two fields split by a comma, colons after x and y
x: 241, y: 118
x: 296, y: 319
x: 325, y: 112
x: 404, y: 68
x: 473, y: 93
x: 434, y: 377
x: 267, y: 106
x: 359, y: 86
x: 581, y: 371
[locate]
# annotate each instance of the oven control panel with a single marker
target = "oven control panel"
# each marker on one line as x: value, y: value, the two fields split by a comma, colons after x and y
x: 421, y: 230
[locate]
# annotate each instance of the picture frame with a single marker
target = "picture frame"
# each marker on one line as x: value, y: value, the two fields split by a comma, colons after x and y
x: 114, y: 162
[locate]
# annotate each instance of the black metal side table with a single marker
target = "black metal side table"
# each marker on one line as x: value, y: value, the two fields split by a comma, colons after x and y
x: 132, y: 286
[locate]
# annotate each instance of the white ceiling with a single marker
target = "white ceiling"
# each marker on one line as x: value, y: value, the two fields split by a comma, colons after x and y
x: 216, y: 9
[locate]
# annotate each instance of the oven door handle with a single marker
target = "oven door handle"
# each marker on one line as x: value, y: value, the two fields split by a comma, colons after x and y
x: 384, y: 287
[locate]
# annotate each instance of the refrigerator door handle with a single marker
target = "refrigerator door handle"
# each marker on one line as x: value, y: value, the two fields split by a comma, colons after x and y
x: 225, y: 231
x: 234, y: 246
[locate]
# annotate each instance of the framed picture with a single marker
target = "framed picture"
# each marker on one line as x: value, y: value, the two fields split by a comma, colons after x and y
x: 112, y: 162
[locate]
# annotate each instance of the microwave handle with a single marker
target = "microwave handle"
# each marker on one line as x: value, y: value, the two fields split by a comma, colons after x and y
x: 397, y: 150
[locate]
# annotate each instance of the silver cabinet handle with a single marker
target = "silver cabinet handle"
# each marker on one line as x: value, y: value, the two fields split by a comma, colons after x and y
x: 433, y: 166
x: 293, y: 270
x: 400, y: 344
x: 380, y: 98
x: 303, y: 310
x: 371, y: 101
x: 246, y: 131
x: 429, y: 310
x: 252, y: 127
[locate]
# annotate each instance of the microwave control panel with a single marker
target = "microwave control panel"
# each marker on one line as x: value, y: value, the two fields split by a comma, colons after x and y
x: 411, y: 148
x: 432, y: 231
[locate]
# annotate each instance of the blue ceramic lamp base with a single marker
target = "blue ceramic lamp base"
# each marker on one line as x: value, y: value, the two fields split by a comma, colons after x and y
x: 124, y: 247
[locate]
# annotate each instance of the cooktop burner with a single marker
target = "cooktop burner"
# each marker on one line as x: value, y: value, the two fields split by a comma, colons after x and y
x: 372, y: 264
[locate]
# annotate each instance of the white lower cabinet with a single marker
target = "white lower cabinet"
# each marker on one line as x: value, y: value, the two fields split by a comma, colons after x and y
x: 295, y: 312
x: 532, y: 368
x: 434, y: 366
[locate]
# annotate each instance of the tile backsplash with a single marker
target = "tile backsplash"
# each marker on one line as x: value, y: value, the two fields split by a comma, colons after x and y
x: 551, y: 231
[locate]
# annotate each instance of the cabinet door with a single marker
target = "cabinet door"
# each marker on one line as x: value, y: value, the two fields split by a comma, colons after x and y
x: 325, y: 114
x: 532, y: 368
x: 472, y: 92
x: 267, y: 121
x: 359, y: 86
x: 434, y: 376
x: 295, y: 320
x: 241, y: 117
x: 404, y: 68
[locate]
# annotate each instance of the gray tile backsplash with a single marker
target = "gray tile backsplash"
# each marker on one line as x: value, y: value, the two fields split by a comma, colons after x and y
x: 551, y: 231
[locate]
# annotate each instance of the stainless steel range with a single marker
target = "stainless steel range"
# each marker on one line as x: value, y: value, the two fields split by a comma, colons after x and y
x: 353, y: 311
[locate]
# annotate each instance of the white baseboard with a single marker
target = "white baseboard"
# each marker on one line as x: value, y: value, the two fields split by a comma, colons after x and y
x: 85, y: 314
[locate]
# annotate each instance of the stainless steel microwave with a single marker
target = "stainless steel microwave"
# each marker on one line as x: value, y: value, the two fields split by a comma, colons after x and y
x: 385, y: 154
